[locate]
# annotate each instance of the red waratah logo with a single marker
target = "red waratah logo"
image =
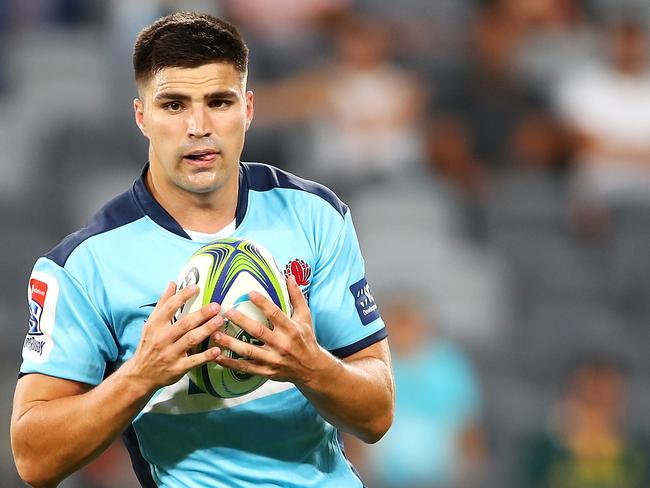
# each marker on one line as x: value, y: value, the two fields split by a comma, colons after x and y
x: 300, y: 270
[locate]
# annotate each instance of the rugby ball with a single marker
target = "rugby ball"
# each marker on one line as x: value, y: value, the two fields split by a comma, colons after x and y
x: 225, y: 271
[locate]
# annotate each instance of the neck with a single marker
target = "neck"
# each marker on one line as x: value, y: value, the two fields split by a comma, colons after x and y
x: 202, y: 212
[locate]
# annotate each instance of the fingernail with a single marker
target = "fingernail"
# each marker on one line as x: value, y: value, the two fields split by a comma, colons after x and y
x: 193, y: 288
x: 217, y: 336
x: 213, y: 307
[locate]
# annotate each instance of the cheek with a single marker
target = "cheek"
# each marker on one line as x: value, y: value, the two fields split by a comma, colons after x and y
x: 232, y: 124
x: 168, y: 125
x: 164, y: 133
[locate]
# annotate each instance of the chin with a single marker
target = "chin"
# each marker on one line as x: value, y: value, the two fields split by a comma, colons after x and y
x: 201, y: 184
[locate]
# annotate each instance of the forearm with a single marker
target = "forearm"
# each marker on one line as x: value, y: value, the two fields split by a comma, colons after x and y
x: 356, y: 396
x: 51, y: 439
x: 637, y: 155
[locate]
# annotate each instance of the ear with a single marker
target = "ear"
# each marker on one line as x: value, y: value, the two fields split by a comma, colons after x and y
x: 138, y: 109
x: 249, y: 108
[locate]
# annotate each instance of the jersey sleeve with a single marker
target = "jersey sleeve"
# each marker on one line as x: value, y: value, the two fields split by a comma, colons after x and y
x: 67, y: 336
x: 345, y: 316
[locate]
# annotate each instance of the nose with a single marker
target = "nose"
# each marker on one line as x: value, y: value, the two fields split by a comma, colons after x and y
x: 196, y: 123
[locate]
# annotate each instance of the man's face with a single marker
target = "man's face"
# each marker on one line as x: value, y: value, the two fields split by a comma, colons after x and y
x: 195, y: 120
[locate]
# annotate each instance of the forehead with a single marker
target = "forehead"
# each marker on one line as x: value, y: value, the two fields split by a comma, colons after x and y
x: 208, y: 77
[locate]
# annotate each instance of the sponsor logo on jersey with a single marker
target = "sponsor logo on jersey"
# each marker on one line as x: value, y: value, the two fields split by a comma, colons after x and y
x: 301, y: 271
x: 34, y: 345
x: 42, y: 292
x: 364, y: 301
x: 37, y: 294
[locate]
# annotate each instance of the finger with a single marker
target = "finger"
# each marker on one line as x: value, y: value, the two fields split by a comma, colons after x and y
x: 244, y: 349
x: 169, y: 307
x: 254, y: 327
x: 197, y: 335
x: 298, y: 300
x: 200, y: 358
x: 270, y: 310
x: 193, y: 320
x: 166, y: 295
x: 245, y: 366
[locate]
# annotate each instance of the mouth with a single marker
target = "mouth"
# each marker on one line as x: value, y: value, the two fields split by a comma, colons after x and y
x: 201, y: 156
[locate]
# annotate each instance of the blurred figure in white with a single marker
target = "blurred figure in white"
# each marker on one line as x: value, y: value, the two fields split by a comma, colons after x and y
x: 555, y: 36
x: 362, y: 111
x: 607, y: 107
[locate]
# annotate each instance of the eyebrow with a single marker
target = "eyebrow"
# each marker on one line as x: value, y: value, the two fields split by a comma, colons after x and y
x: 170, y: 95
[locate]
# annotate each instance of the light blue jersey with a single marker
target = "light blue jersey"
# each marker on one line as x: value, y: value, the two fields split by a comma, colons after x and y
x: 90, y: 296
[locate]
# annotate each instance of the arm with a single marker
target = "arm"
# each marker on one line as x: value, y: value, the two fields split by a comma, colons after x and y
x: 356, y: 394
x: 58, y: 425
x: 619, y: 153
x: 276, y: 101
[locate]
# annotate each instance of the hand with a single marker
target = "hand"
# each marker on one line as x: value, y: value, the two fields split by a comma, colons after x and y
x: 161, y: 358
x: 290, y: 351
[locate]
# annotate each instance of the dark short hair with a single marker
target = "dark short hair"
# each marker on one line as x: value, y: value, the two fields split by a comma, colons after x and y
x: 187, y: 40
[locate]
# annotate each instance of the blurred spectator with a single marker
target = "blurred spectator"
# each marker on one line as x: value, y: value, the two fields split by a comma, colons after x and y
x: 452, y: 159
x: 451, y: 155
x: 555, y: 36
x: 538, y: 144
x: 285, y: 38
x: 436, y: 439
x: 362, y: 112
x: 483, y: 90
x: 586, y: 445
x: 430, y: 33
x: 607, y: 108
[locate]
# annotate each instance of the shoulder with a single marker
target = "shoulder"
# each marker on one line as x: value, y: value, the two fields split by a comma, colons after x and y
x: 118, y: 212
x: 263, y: 177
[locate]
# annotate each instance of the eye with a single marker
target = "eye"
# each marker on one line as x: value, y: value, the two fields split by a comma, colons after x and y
x: 173, y: 106
x: 220, y: 103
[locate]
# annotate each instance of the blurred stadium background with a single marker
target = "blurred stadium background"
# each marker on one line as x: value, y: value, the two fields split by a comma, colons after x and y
x: 496, y: 159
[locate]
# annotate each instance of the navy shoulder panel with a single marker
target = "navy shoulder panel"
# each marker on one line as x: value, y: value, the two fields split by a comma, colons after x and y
x: 120, y: 211
x: 262, y: 177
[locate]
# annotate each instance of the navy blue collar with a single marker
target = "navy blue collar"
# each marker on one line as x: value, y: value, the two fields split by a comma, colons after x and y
x: 158, y: 214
